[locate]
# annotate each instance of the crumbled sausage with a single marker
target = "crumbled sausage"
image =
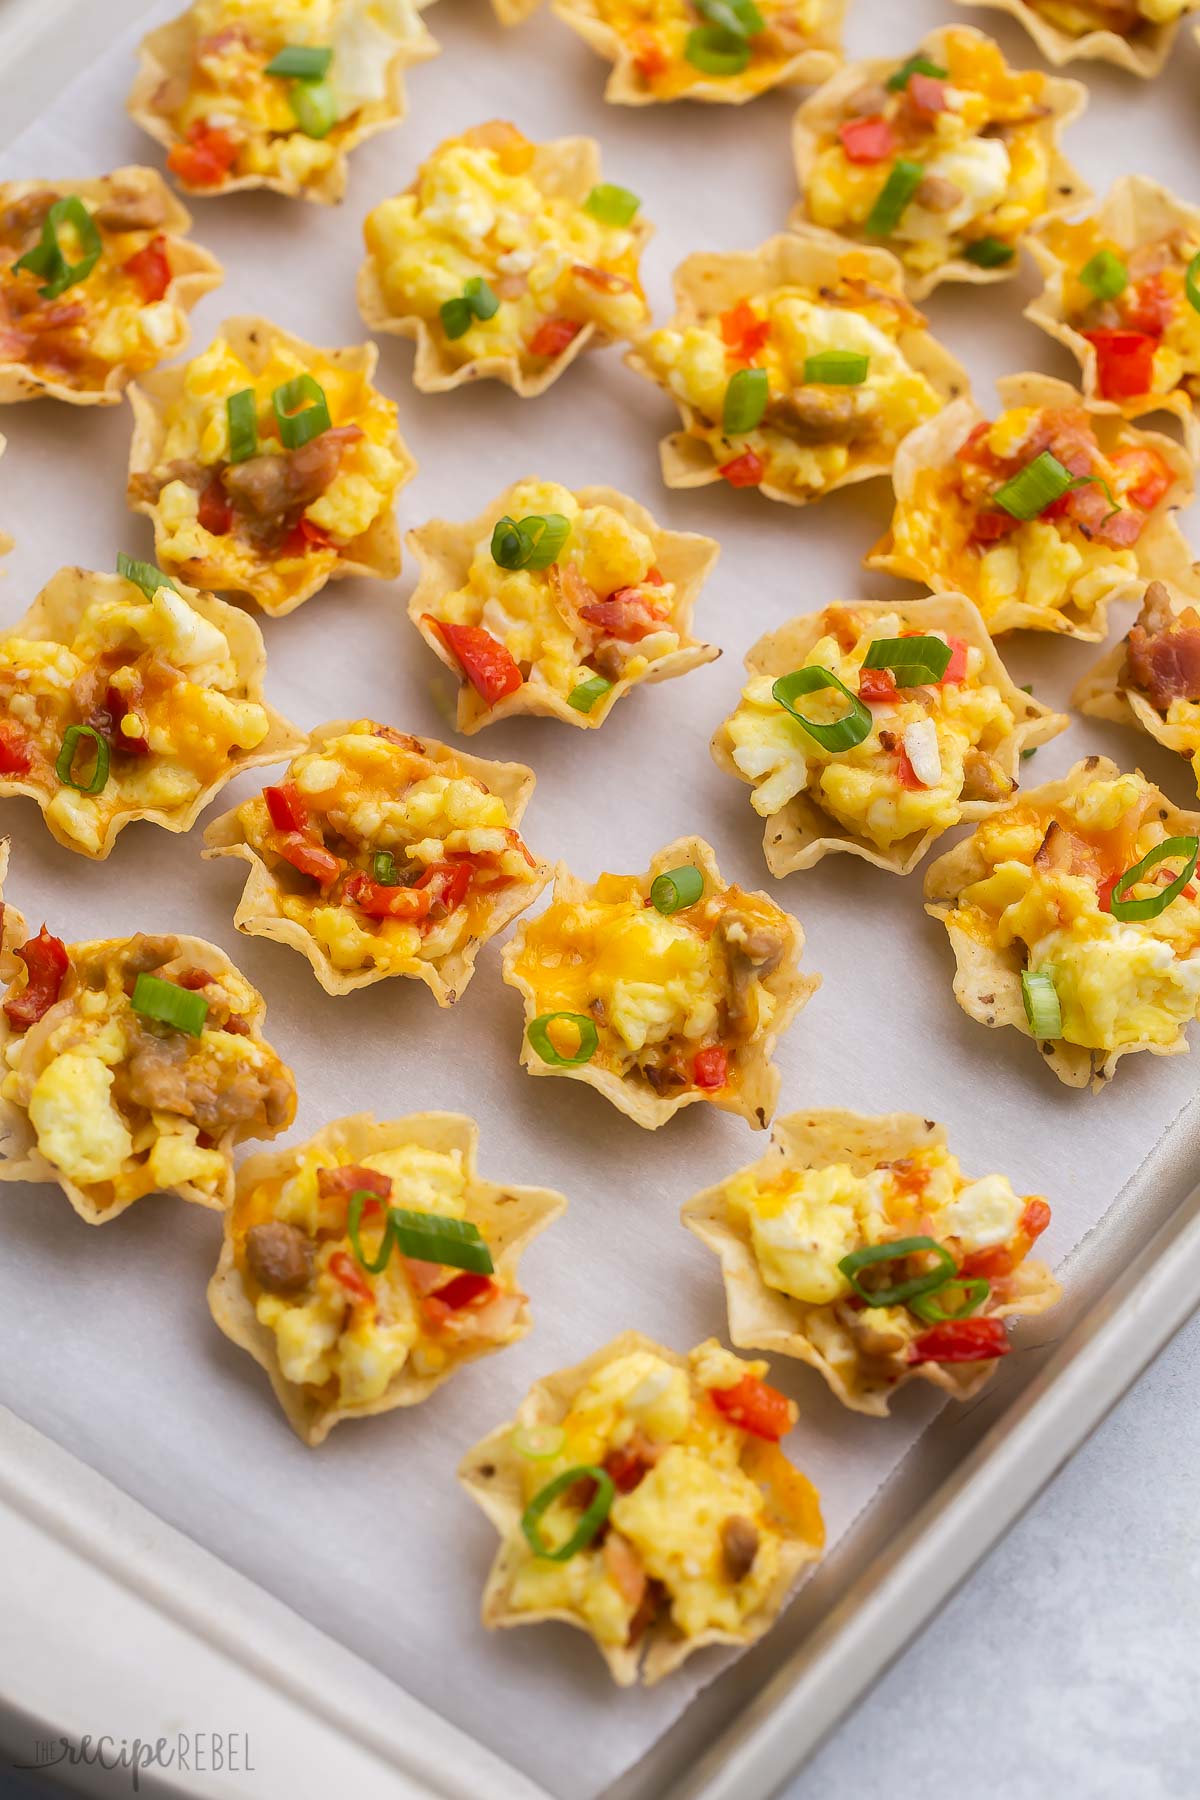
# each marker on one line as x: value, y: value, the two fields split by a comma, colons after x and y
x: 739, y: 1545
x: 820, y: 415
x: 279, y: 1257
x: 132, y: 209
x: 983, y: 778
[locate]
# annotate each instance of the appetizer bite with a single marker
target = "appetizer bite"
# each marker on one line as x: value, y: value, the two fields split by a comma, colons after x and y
x: 96, y: 281
x: 274, y: 93
x: 504, y: 259
x: 125, y: 697
x: 949, y: 157
x: 797, y: 368
x: 363, y: 1268
x: 661, y: 989
x: 642, y: 1496
x: 134, y: 1065
x: 874, y: 728
x: 1121, y: 293
x: 268, y: 466
x: 859, y: 1246
x: 707, y: 49
x: 384, y: 854
x: 557, y: 603
x: 1041, y: 516
x: 1151, y: 679
x: 1134, y: 34
x: 1073, y: 916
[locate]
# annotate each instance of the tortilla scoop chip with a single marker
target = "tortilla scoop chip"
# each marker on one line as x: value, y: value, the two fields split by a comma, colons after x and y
x: 1103, y: 693
x: 445, y: 551
x: 491, y: 1472
x: 1145, y: 57
x: 508, y: 1219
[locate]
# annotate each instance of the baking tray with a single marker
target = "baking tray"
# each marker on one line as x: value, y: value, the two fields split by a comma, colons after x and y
x: 86, y: 1564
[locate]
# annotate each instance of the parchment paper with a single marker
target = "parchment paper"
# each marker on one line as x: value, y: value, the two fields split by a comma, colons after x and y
x: 107, y: 1344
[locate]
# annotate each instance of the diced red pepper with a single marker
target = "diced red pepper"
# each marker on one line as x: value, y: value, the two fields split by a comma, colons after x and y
x: 876, y: 686
x: 755, y: 1407
x: 743, y: 332
x: 303, y: 537
x: 710, y: 1067
x: 1124, y: 362
x: 344, y: 1269
x: 311, y: 859
x: 46, y: 960
x: 553, y: 336
x: 993, y: 1264
x: 906, y: 774
x: 214, y: 512
x: 926, y: 94
x: 466, y: 1289
x: 16, y: 754
x: 206, y: 158
x: 1149, y: 306
x: 1104, y: 891
x: 956, y: 668
x: 867, y: 140
x: 650, y: 59
x: 1035, y: 1219
x: 655, y: 577
x: 746, y: 470
x: 379, y: 902
x: 483, y: 659
x: 625, y: 1468
x: 348, y: 1178
x: 961, y: 1341
x: 1147, y: 472
x: 446, y: 883
x: 286, y: 807
x: 151, y: 269
x: 118, y: 707
x: 195, y: 979
x: 990, y: 527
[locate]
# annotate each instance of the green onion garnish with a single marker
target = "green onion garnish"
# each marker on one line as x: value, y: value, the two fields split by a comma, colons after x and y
x: 1042, y: 1007
x: 477, y: 301
x: 610, y: 204
x: 47, y: 257
x: 314, y: 105
x: 383, y: 869
x: 1040, y: 483
x: 1105, y: 274
x: 745, y: 401
x: 66, y: 758
x: 182, y: 1008
x: 974, y: 1290
x: 354, y: 1211
x: 143, y: 575
x: 843, y: 733
x: 428, y: 1237
x: 585, y: 695
x: 740, y: 18
x: 241, y: 412
x: 916, y: 65
x: 715, y: 51
x: 538, y: 1033
x: 1188, y: 847
x: 303, y: 61
x: 299, y: 423
x: 837, y: 368
x: 1191, y: 281
x: 989, y: 252
x: 896, y: 1251
x: 899, y: 188
x: 914, y: 661
x: 538, y: 1442
x: 676, y: 889
x: 530, y: 543
x: 590, y: 1522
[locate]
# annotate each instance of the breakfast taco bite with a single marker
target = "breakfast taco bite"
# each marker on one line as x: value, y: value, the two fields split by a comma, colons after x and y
x: 948, y: 157
x: 363, y: 1268
x: 661, y: 989
x: 269, y: 466
x: 1133, y: 34
x: 381, y: 854
x: 1041, y: 516
x: 133, y: 1066
x: 1151, y: 679
x: 126, y: 697
x: 504, y: 259
x: 1073, y: 917
x: 97, y: 278
x: 242, y: 97
x: 798, y: 368
x: 859, y: 1246
x: 557, y: 602
x: 934, y: 734
x: 680, y: 50
x: 642, y: 1497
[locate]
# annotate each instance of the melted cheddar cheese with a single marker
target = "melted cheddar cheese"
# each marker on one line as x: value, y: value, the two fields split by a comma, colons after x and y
x: 669, y: 63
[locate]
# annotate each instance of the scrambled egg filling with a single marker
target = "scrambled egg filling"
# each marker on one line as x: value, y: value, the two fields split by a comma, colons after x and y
x: 1080, y: 16
x: 156, y: 679
x: 480, y: 210
x: 979, y: 138
x: 656, y: 34
x: 1048, y: 895
x: 451, y: 843
x: 928, y: 747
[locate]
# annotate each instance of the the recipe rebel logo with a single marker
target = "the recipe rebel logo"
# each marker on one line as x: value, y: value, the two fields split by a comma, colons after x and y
x: 199, y: 1752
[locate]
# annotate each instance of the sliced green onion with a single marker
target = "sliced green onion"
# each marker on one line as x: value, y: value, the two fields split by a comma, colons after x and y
x: 299, y: 423
x: 182, y: 1008
x: 899, y: 188
x: 477, y: 301
x: 1188, y: 847
x: 354, y: 1212
x: 456, y: 316
x: 896, y: 1251
x: 143, y: 575
x: 715, y: 51
x: 538, y: 1442
x: 47, y: 257
x: 66, y: 759
x: 837, y: 368
x: 916, y: 65
x: 843, y: 733
x: 745, y: 401
x: 989, y: 252
x: 1105, y: 274
x: 303, y: 61
x: 590, y: 1522
x: 1040, y: 483
x: 740, y: 18
x: 610, y: 204
x: 585, y: 695
x: 1042, y: 1007
x: 974, y: 1290
x: 676, y: 889
x: 314, y: 106
x: 1191, y: 281
x: 530, y: 543
x: 383, y: 869
x: 241, y: 412
x: 437, y: 1238
x: 538, y: 1033
x: 914, y: 661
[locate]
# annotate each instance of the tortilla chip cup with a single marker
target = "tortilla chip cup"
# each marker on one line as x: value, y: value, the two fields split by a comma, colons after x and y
x: 445, y: 551
x: 861, y: 1368
x: 1107, y: 692
x: 803, y: 832
x: 165, y: 62
x: 1142, y: 55
x: 816, y: 124
x: 259, y: 913
x: 1161, y: 549
x: 710, y: 283
x: 492, y: 1474
x: 752, y: 1087
x: 508, y: 1218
